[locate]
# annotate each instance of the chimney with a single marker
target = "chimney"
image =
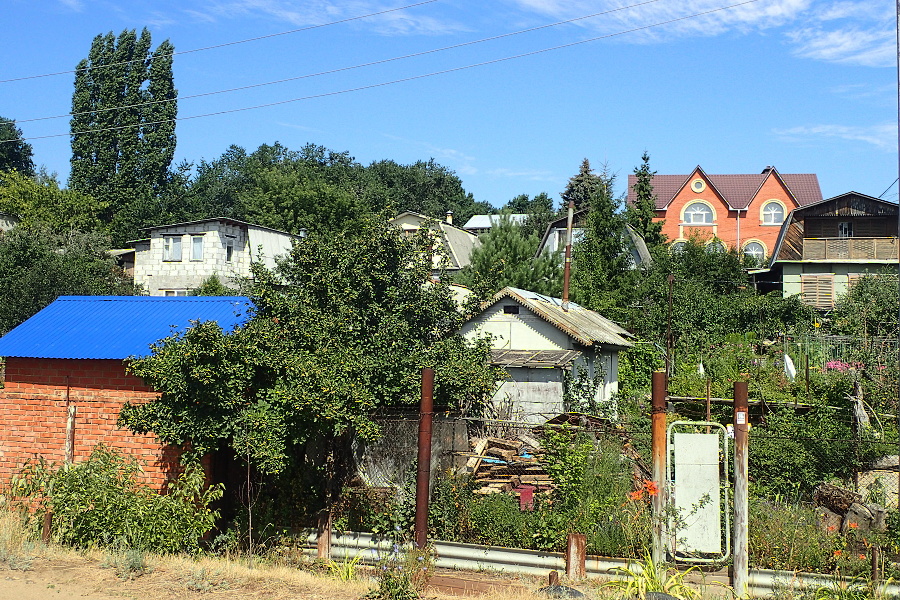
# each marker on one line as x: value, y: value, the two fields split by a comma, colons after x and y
x: 450, y: 217
x: 768, y: 169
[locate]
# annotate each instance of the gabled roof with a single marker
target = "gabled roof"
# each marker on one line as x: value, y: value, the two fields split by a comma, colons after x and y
x: 737, y: 190
x: 488, y: 221
x: 227, y: 220
x: 116, y: 327
x: 587, y: 327
x: 458, y: 242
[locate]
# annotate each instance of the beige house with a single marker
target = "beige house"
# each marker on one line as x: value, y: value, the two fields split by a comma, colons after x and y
x: 824, y: 247
x: 7, y: 221
x: 538, y: 343
x: 177, y: 258
x: 456, y: 244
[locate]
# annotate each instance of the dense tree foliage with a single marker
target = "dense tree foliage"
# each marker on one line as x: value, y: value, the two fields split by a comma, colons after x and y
x: 539, y: 209
x: 37, y: 265
x: 869, y: 308
x: 40, y: 201
x: 642, y: 211
x: 506, y: 257
x: 15, y: 153
x: 340, y: 331
x: 123, y: 127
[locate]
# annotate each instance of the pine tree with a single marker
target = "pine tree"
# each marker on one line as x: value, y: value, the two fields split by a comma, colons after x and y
x: 122, y: 127
x: 15, y: 153
x: 641, y: 212
x: 584, y: 187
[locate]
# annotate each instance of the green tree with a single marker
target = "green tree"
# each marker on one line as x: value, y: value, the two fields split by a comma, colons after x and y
x: 506, y: 257
x: 600, y: 258
x: 341, y: 329
x: 539, y: 209
x: 869, y: 308
x: 642, y: 211
x: 37, y: 265
x: 123, y: 126
x: 39, y: 200
x: 15, y: 153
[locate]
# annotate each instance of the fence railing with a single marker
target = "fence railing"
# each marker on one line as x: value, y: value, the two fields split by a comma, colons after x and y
x: 850, y: 248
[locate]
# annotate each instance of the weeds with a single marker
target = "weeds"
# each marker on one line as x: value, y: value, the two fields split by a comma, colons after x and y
x: 345, y: 570
x: 128, y: 563
x: 650, y: 577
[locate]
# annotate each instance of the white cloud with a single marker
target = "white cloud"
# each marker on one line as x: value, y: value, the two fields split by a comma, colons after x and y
x: 529, y: 174
x: 301, y: 13
x: 72, y: 4
x: 883, y: 137
x: 874, y: 47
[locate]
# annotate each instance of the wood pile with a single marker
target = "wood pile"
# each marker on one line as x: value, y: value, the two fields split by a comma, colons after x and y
x: 503, y: 465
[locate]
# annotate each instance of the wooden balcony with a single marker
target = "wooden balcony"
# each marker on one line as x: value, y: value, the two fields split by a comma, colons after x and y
x: 855, y: 249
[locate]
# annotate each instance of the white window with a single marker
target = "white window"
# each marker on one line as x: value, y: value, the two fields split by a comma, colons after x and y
x: 196, y: 247
x: 845, y: 229
x: 229, y: 248
x: 756, y: 251
x: 174, y: 292
x: 773, y: 213
x: 172, y: 248
x: 698, y: 213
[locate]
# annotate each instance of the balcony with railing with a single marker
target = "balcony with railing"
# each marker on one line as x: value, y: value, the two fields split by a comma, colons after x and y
x: 855, y: 249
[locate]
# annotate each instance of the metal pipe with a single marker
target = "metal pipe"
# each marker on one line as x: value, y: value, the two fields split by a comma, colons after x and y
x: 658, y: 452
x: 423, y: 472
x: 671, y: 280
x: 70, y: 426
x: 740, y: 581
x: 567, y: 269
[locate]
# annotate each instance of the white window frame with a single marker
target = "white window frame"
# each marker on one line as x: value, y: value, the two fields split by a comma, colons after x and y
x: 761, y: 255
x: 697, y: 208
x: 171, y: 248
x: 229, y: 248
x: 197, y: 244
x: 174, y: 293
x: 773, y: 213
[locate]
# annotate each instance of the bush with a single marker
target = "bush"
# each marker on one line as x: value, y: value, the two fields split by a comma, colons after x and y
x: 99, y: 502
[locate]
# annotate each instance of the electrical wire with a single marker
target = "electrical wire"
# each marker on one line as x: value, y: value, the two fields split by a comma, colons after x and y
x: 225, y: 44
x: 394, y: 81
x: 350, y: 68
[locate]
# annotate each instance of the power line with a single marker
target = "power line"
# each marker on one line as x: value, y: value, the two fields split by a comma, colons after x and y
x: 888, y: 188
x: 394, y: 81
x: 225, y: 44
x: 350, y: 68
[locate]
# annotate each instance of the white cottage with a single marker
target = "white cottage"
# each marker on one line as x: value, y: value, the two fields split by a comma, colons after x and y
x: 177, y: 258
x: 537, y: 342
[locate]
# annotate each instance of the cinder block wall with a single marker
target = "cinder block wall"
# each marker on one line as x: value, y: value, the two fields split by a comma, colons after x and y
x: 33, y: 409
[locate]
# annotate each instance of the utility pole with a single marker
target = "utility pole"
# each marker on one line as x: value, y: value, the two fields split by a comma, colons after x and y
x: 658, y: 452
x: 567, y: 269
x: 423, y: 471
x: 741, y: 490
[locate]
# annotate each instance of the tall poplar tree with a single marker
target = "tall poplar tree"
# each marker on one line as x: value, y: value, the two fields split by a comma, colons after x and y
x: 123, y: 126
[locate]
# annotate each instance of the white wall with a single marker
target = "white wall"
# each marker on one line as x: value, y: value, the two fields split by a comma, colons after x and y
x: 524, y: 331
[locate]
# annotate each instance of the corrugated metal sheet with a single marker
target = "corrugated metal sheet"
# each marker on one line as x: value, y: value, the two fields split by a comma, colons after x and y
x: 586, y: 326
x: 533, y: 358
x: 116, y: 327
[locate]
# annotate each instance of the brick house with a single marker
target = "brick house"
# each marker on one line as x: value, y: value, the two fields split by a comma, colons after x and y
x: 177, y: 258
x: 65, y: 378
x: 741, y: 211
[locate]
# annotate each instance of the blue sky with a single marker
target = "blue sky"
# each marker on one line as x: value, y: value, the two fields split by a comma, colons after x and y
x: 807, y: 86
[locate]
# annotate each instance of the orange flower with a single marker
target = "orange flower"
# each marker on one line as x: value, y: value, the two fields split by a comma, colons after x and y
x: 651, y: 488
x: 862, y: 557
x: 636, y: 495
x: 831, y: 528
x: 853, y: 525
x: 837, y: 552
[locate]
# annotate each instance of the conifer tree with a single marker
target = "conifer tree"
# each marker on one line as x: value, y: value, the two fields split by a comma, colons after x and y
x: 122, y: 127
x: 641, y: 212
x: 15, y: 153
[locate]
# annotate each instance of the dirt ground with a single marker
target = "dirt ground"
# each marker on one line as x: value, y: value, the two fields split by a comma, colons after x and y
x: 90, y: 578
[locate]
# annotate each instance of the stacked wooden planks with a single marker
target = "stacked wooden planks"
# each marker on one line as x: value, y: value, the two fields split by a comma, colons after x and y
x: 504, y: 465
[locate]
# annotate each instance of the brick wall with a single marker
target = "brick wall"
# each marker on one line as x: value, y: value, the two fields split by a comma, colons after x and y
x: 725, y: 226
x: 33, y: 405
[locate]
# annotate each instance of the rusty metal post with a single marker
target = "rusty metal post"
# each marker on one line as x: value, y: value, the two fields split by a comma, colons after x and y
x: 567, y: 268
x: 741, y: 490
x: 423, y: 473
x: 575, y: 556
x: 323, y: 535
x: 47, y: 531
x: 658, y: 442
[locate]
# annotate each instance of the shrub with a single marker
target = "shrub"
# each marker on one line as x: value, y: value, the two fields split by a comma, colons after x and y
x: 99, y: 502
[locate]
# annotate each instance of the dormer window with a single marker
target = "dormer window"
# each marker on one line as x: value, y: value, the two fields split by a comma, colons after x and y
x: 698, y: 213
x: 172, y: 248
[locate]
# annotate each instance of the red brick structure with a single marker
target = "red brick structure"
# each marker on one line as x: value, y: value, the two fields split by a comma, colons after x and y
x: 35, y: 407
x: 65, y: 379
x: 743, y: 211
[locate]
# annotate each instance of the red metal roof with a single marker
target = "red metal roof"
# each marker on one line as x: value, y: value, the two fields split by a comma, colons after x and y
x: 737, y: 190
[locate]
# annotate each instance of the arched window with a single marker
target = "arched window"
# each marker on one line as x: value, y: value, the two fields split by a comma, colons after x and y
x: 715, y: 246
x: 756, y: 251
x: 698, y: 213
x: 677, y: 247
x: 773, y: 213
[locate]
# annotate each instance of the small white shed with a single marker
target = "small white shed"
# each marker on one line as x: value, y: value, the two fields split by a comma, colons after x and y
x: 538, y: 344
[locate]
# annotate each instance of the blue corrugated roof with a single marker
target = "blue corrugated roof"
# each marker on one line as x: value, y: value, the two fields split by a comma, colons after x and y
x: 116, y: 327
